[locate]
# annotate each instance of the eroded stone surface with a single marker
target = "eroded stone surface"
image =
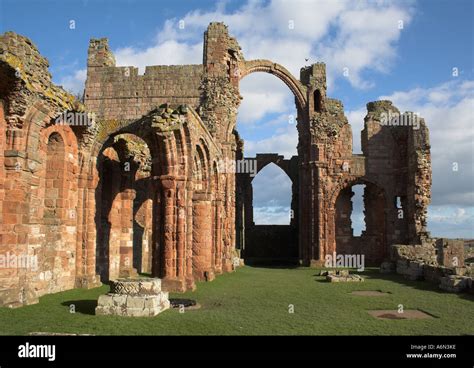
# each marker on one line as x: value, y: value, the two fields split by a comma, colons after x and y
x: 133, y: 298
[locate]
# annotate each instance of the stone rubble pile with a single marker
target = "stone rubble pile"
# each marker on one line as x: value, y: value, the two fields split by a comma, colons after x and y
x: 341, y: 276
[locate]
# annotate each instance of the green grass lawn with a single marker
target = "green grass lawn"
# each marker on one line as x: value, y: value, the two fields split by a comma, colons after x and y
x: 256, y: 301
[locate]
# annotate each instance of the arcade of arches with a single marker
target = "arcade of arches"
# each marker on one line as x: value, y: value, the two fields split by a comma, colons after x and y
x: 140, y: 187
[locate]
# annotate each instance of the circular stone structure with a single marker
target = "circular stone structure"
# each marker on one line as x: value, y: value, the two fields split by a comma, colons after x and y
x: 133, y: 298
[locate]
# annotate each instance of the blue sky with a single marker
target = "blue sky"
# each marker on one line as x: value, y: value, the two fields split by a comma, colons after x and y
x: 413, y: 66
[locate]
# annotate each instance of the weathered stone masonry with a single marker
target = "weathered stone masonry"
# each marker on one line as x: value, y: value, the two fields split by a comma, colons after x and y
x: 140, y: 190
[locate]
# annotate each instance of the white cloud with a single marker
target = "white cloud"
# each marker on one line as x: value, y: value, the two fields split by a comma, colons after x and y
x: 271, y: 196
x: 284, y: 142
x: 262, y: 95
x: 356, y: 120
x: 366, y: 39
x: 170, y: 52
x: 448, y: 110
x: 359, y: 36
x: 75, y: 83
x: 451, y: 221
x: 271, y: 215
x: 446, y: 214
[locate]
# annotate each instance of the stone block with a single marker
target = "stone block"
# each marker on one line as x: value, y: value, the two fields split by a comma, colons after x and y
x: 135, y: 298
x: 455, y: 284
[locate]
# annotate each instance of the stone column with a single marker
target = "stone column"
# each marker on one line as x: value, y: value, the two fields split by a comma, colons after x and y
x: 169, y: 193
x: 322, y: 232
x: 92, y: 280
x: 202, y: 237
x: 157, y: 233
x: 218, y: 235
x: 113, y: 243
x: 126, y: 236
x: 181, y: 231
x: 86, y: 276
x: 81, y: 228
x: 190, y: 284
x: 147, y: 234
x: 308, y: 198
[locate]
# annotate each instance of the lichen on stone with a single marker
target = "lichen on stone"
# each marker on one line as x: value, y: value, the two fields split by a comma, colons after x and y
x: 217, y: 93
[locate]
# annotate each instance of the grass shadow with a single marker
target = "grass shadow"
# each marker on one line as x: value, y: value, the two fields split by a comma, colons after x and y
x: 272, y: 263
x: 82, y: 306
x: 418, y: 284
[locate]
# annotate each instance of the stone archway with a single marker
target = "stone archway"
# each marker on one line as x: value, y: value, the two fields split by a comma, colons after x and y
x: 121, y: 220
x: 124, y: 168
x: 271, y: 243
x: 267, y: 66
x: 244, y: 209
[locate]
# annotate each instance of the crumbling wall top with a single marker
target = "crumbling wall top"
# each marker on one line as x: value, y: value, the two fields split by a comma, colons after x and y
x: 99, y: 53
x: 376, y: 108
x: 314, y: 75
x: 21, y: 62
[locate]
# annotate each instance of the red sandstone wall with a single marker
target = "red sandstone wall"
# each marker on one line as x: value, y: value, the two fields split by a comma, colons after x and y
x: 120, y: 93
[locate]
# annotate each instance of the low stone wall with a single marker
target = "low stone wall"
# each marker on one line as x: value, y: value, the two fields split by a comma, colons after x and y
x: 438, y: 251
x: 422, y: 262
x: 425, y: 253
x: 469, y: 251
x: 456, y: 284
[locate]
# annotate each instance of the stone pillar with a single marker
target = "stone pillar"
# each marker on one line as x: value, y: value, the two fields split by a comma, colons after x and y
x: 114, y: 241
x: 89, y: 259
x: 181, y: 231
x: 218, y: 235
x: 147, y: 234
x: 303, y: 214
x: 174, y: 234
x: 86, y: 276
x: 202, y: 237
x: 190, y: 284
x: 157, y: 233
x: 126, y: 235
x: 311, y: 236
x: 229, y: 224
x: 169, y: 190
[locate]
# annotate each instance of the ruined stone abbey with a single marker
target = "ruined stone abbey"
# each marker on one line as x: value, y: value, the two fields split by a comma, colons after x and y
x: 139, y: 188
